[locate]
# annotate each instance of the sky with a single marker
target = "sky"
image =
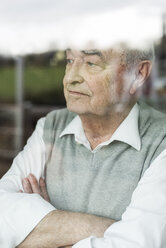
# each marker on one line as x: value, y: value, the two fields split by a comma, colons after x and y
x: 28, y: 26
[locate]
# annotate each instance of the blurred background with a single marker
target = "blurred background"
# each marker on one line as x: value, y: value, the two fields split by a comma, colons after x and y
x: 33, y: 39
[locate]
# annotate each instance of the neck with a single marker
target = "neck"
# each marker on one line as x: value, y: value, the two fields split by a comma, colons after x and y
x: 101, y: 128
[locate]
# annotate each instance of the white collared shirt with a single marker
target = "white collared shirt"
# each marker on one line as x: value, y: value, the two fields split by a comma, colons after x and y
x: 143, y: 224
x: 127, y: 131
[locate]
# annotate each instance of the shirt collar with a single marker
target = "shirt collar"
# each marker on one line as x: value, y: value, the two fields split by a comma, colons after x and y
x: 75, y: 127
x: 127, y: 132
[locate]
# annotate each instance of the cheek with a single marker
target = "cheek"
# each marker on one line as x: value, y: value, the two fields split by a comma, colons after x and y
x: 64, y: 80
x: 107, y: 86
x: 65, y: 88
x: 102, y: 88
x: 64, y: 84
x: 120, y: 80
x: 108, y: 92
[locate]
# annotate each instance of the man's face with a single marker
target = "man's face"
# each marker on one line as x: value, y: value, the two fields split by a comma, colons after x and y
x: 93, y: 81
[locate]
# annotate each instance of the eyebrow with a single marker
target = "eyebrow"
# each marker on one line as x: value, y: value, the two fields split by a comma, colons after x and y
x: 88, y: 52
x: 92, y: 52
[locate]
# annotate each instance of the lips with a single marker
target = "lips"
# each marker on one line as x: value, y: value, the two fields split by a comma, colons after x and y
x: 78, y: 93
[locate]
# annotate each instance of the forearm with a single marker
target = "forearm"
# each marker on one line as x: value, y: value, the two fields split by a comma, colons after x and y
x: 62, y: 228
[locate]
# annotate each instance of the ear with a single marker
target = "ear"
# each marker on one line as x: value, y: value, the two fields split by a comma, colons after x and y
x: 143, y: 70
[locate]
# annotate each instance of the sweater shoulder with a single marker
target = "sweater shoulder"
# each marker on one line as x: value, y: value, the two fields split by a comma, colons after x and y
x: 60, y: 115
x: 56, y: 121
x: 150, y: 117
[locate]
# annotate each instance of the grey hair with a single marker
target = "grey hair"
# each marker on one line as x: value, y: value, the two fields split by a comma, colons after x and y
x: 134, y: 56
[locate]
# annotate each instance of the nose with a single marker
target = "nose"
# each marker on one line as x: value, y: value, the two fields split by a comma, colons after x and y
x: 74, y: 75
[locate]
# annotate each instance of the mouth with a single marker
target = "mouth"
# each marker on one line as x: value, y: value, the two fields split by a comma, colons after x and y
x: 77, y: 93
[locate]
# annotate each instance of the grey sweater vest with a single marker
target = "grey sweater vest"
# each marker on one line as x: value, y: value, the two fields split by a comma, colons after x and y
x: 99, y: 183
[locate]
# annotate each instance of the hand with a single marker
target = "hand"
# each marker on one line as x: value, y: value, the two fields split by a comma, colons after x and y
x: 31, y: 185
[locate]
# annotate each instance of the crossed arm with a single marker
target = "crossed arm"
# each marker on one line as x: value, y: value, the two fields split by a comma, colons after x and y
x: 61, y: 228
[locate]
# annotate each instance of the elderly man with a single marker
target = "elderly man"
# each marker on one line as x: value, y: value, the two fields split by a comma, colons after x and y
x: 103, y: 159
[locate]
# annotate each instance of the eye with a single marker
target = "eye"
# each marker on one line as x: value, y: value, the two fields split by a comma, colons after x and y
x: 69, y: 61
x: 90, y: 64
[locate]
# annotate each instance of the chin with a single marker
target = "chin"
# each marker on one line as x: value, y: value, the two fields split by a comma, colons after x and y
x: 77, y: 108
